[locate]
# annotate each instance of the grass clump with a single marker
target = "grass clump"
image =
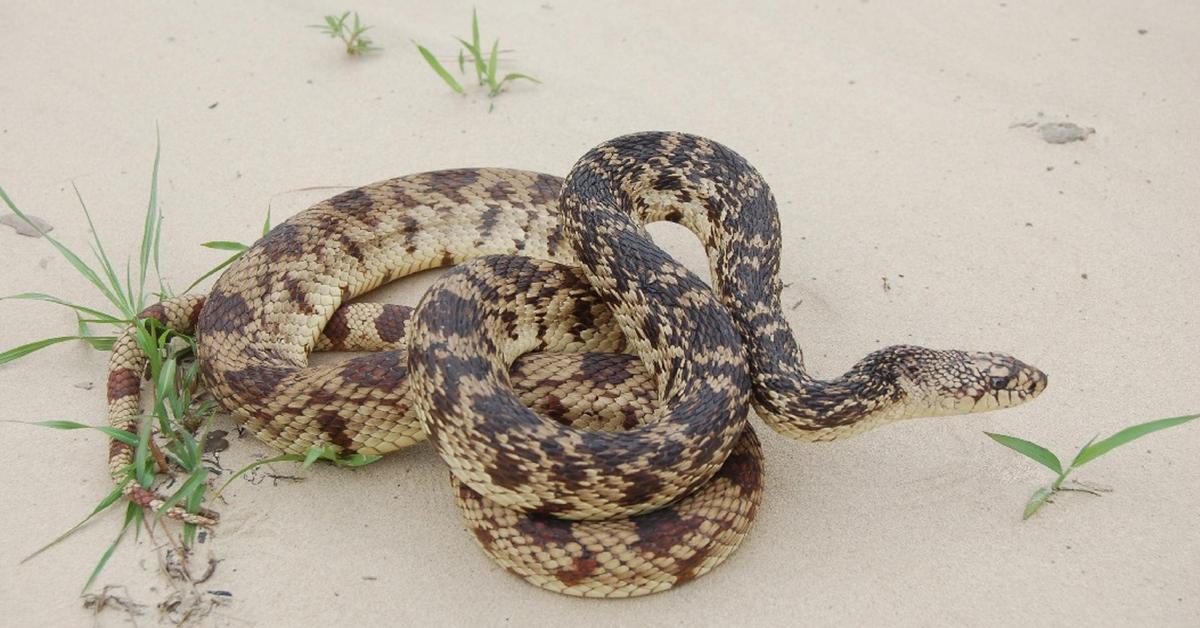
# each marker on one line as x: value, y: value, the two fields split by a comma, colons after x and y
x: 169, y: 439
x: 177, y: 411
x: 486, y: 69
x: 351, y: 33
x: 1092, y: 450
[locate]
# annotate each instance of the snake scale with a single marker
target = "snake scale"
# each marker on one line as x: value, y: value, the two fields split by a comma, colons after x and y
x: 589, y: 393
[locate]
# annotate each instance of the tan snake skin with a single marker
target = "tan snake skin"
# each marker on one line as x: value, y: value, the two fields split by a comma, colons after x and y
x: 687, y: 470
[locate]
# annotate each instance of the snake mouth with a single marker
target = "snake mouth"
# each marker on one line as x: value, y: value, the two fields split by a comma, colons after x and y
x: 1037, y: 382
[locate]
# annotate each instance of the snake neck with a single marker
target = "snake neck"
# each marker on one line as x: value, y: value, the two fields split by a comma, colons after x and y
x: 785, y: 396
x: 802, y: 407
x: 712, y: 191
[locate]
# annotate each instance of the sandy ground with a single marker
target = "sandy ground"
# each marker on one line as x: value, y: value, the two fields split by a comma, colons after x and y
x: 916, y: 207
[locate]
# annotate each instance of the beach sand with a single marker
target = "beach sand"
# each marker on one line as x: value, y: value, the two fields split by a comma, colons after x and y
x: 919, y: 201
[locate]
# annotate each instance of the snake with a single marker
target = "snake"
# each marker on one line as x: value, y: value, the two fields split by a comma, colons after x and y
x: 589, y: 393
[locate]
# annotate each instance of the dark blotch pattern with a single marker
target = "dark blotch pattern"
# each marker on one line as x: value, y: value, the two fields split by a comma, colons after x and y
x: 390, y: 324
x: 385, y: 371
x: 123, y: 383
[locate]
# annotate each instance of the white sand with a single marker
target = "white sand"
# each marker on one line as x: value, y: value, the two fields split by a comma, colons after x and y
x: 887, y: 133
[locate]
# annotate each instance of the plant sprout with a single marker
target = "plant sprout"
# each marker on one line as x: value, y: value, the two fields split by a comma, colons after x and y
x: 486, y: 69
x: 351, y: 33
x: 1092, y: 450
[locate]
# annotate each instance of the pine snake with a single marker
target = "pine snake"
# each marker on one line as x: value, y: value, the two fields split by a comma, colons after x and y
x: 636, y: 469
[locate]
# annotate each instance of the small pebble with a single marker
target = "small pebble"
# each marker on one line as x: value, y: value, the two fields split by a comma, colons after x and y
x: 24, y: 228
x: 1063, y: 132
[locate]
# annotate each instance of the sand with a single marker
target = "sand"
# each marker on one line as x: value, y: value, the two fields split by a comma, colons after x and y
x: 920, y: 204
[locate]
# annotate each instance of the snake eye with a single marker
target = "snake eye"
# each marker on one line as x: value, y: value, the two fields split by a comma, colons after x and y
x: 1000, y: 383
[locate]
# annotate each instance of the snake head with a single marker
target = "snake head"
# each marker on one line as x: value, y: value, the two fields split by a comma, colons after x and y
x: 939, y: 383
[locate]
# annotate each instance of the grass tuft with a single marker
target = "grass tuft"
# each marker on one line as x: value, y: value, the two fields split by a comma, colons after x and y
x: 351, y: 33
x: 169, y: 439
x: 486, y: 67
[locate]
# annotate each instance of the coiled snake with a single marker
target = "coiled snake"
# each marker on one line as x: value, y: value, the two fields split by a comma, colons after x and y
x: 638, y: 470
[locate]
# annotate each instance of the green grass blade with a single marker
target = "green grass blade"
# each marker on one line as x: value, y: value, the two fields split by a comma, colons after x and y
x: 1097, y: 449
x: 102, y: 321
x: 216, y: 269
x: 313, y: 454
x: 491, y: 68
x: 225, y: 245
x: 512, y: 76
x: 69, y: 255
x: 189, y: 531
x: 48, y: 298
x: 164, y: 388
x: 26, y: 349
x: 162, y: 286
x: 267, y: 223
x: 475, y: 27
x: 142, y: 465
x: 98, y: 246
x: 1033, y: 451
x: 133, y: 515
x: 1082, y: 449
x: 99, y: 343
x: 148, y: 342
x: 40, y: 296
x: 476, y: 59
x: 180, y: 451
x: 134, y: 301
x: 477, y: 49
x: 129, y: 438
x: 1037, y: 501
x: 441, y: 71
x: 462, y: 64
x: 470, y: 48
x: 104, y: 504
x: 148, y: 228
x: 189, y: 445
x: 358, y: 460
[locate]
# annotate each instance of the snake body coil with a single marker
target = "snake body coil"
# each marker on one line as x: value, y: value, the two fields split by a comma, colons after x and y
x: 684, y: 477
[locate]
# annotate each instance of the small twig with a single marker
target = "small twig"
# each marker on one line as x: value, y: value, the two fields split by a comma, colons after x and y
x: 1081, y: 487
x: 276, y: 477
x: 209, y: 570
x: 1078, y: 490
x: 313, y: 188
x: 97, y: 602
